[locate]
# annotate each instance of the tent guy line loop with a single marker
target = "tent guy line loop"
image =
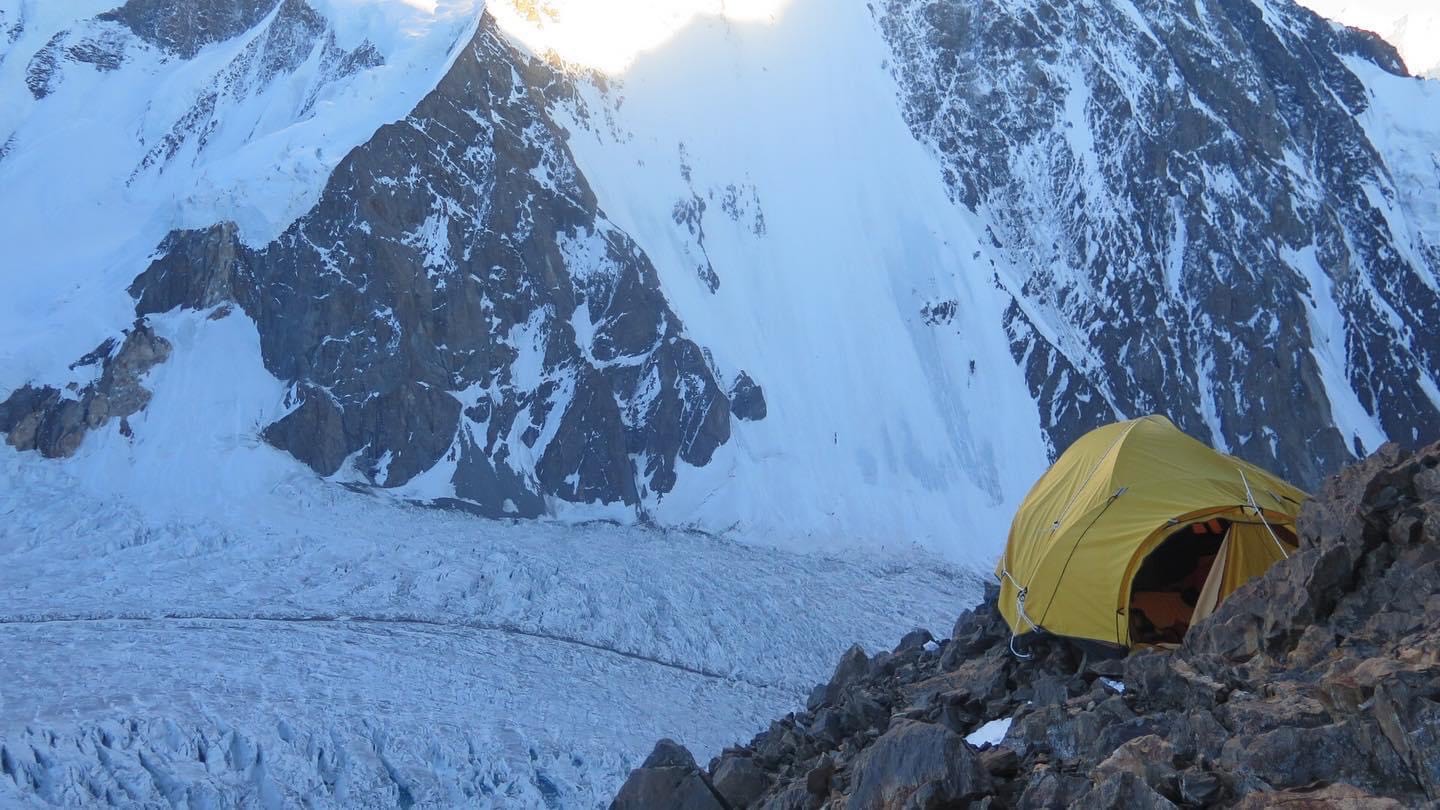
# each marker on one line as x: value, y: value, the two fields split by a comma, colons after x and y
x: 1020, y: 593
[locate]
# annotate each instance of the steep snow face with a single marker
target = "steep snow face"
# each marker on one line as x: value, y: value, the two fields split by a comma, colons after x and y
x: 1211, y: 210
x: 1412, y: 26
x: 803, y: 235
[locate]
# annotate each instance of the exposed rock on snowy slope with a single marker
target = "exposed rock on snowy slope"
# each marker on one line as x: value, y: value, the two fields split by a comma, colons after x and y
x: 456, y: 300
x: 1193, y: 215
x: 857, y: 299
x: 54, y: 421
x: 1315, y: 685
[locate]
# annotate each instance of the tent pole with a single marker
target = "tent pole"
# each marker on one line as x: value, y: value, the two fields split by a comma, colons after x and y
x: 1260, y: 514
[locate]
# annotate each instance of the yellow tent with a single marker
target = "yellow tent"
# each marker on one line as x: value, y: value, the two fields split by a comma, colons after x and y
x: 1137, y: 531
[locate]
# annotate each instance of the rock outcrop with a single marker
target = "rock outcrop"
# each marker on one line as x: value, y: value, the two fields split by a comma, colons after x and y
x: 456, y: 303
x: 1316, y: 685
x: 54, y: 421
x: 1190, y: 204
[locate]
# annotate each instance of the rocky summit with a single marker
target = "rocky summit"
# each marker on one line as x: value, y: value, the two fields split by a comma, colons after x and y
x: 1316, y: 685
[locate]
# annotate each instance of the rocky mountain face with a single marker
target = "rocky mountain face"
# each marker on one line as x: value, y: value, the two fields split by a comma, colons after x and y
x: 1193, y: 216
x: 456, y: 296
x: 1197, y: 209
x: 1315, y: 685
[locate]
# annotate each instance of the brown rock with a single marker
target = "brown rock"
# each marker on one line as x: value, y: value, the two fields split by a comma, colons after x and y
x: 1149, y: 757
x: 1000, y: 761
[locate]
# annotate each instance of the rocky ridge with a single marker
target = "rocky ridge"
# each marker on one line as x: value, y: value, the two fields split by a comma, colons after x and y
x: 1316, y: 685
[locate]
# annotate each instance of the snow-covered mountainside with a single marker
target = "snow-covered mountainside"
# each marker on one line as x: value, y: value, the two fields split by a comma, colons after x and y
x: 823, y: 300
x: 800, y: 273
x: 1412, y: 26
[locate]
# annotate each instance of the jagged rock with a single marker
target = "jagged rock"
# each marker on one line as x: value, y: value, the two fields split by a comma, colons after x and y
x: 1123, y: 791
x: 1410, y: 721
x: 668, y: 778
x: 197, y: 272
x: 670, y: 754
x: 1000, y: 761
x: 793, y: 797
x: 747, y: 399
x: 1148, y: 757
x: 1200, y: 787
x: 1337, y: 681
x: 853, y: 666
x: 913, y: 640
x: 675, y: 788
x: 912, y: 755
x: 55, y: 422
x: 739, y: 781
x: 817, y: 781
x: 1048, y: 790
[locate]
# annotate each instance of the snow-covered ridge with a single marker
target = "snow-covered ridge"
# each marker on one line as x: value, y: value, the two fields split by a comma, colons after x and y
x: 1412, y: 26
x: 130, y: 141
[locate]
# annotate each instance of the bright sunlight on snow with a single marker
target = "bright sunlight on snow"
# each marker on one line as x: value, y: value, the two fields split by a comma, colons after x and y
x: 1412, y: 26
x: 609, y: 36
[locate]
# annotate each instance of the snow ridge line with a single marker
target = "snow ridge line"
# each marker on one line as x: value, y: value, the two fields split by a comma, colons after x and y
x: 391, y: 620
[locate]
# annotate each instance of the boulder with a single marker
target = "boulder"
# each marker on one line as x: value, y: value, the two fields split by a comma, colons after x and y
x: 910, y: 756
x: 1123, y: 790
x: 668, y: 779
x: 913, y: 640
x: 739, y: 781
x: 853, y: 666
x: 1149, y: 757
x: 1200, y: 787
x: 1052, y: 791
x: 670, y: 754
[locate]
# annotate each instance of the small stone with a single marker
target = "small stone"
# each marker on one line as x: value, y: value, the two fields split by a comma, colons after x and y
x: 1199, y: 787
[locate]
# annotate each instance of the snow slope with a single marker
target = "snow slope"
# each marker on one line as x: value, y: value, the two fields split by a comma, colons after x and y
x: 793, y: 188
x: 1412, y: 26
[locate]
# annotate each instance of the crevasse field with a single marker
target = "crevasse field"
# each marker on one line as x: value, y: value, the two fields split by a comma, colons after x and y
x: 323, y: 646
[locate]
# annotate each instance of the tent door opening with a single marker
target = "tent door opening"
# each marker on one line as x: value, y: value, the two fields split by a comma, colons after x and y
x: 1172, y: 583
